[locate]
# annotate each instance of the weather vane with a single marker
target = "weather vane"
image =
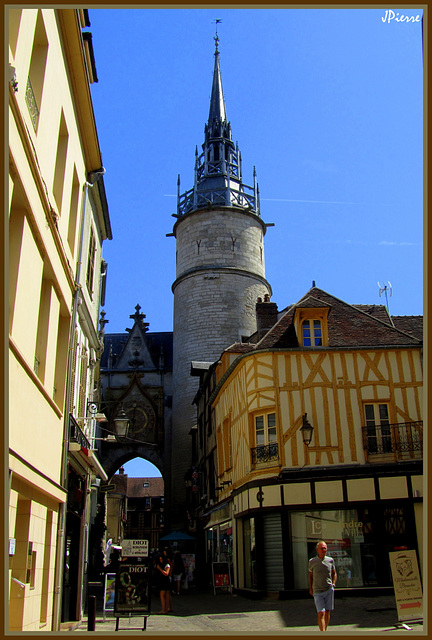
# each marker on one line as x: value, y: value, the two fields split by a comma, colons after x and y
x: 216, y: 37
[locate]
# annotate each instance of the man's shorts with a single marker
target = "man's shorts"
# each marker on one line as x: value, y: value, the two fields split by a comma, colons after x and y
x: 324, y: 601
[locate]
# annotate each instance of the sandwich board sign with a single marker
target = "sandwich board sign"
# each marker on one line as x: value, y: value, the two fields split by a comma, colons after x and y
x: 407, y: 584
x: 135, y: 548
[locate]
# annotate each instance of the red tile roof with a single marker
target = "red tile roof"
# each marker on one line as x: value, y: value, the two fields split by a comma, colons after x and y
x: 348, y: 325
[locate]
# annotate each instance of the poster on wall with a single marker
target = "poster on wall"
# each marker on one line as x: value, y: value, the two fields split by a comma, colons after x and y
x: 132, y: 589
x: 407, y: 584
x: 109, y: 591
x: 189, y: 564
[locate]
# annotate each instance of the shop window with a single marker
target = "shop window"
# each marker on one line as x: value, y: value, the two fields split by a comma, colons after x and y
x: 378, y: 430
x: 266, y: 445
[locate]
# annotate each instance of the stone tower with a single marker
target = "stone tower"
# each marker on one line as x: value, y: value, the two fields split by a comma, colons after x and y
x: 220, y: 271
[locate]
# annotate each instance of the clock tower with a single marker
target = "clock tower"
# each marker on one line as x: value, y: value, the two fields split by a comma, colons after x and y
x: 220, y: 271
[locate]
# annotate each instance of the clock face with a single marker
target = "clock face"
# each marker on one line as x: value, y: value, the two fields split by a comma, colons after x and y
x: 141, y: 419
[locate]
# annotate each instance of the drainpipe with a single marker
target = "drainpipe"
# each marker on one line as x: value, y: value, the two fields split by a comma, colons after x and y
x: 92, y: 178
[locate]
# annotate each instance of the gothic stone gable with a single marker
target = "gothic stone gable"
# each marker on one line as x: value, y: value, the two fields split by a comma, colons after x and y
x: 136, y: 354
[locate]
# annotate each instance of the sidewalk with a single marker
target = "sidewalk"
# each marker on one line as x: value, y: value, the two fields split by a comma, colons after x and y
x: 202, y: 613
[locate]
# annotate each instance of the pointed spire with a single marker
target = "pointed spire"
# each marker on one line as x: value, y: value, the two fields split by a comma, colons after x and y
x: 217, y: 102
x: 218, y: 168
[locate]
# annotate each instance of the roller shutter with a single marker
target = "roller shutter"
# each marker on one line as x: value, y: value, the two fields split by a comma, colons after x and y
x: 273, y: 554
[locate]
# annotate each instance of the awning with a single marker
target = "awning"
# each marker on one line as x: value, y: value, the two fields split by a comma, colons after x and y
x: 88, y: 456
x: 177, y: 535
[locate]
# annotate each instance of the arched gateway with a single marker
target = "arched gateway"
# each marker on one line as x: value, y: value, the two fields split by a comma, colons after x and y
x: 134, y: 412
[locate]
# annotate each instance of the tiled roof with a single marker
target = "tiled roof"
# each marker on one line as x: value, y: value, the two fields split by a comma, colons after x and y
x: 154, y: 340
x: 240, y: 347
x: 410, y: 324
x: 136, y: 488
x: 378, y: 311
x: 348, y: 325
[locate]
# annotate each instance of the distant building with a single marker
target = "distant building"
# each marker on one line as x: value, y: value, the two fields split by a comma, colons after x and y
x: 58, y: 220
x: 135, y: 509
x: 312, y: 430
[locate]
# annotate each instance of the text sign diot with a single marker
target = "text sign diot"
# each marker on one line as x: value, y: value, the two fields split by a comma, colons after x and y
x: 407, y: 584
x: 135, y: 548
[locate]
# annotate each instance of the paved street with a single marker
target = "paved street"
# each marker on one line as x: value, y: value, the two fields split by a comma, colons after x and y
x: 202, y: 613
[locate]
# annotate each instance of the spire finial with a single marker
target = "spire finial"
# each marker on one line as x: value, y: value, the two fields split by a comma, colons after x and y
x: 216, y: 37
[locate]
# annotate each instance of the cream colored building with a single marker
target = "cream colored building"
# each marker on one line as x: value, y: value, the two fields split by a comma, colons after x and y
x: 355, y: 375
x: 58, y: 219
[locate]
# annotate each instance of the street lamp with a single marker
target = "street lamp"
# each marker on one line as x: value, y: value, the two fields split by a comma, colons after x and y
x: 121, y: 422
x: 306, y: 430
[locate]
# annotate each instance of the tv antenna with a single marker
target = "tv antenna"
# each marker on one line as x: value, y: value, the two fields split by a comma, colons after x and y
x: 386, y: 288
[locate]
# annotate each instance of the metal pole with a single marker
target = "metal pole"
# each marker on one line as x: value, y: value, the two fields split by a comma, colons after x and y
x: 91, y: 619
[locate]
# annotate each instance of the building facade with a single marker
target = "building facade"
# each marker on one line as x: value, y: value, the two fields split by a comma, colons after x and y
x: 58, y: 220
x: 135, y: 509
x: 313, y: 430
x: 220, y: 272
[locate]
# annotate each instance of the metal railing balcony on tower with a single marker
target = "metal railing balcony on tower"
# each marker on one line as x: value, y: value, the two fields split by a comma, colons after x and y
x: 399, y: 441
x: 189, y: 201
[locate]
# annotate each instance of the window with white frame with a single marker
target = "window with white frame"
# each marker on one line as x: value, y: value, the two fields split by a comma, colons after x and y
x: 266, y: 445
x: 378, y: 428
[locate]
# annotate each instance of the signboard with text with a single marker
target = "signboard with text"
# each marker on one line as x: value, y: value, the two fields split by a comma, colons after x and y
x: 132, y: 589
x: 221, y: 575
x: 135, y: 548
x: 407, y: 584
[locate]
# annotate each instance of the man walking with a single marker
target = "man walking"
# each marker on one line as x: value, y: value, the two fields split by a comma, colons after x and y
x: 322, y: 580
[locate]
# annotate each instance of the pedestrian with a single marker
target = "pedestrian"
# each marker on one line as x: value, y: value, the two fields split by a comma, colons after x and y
x: 322, y: 580
x: 163, y: 569
x: 167, y: 555
x: 178, y: 571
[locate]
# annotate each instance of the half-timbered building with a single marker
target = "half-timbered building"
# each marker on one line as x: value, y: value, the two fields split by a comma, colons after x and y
x: 313, y: 429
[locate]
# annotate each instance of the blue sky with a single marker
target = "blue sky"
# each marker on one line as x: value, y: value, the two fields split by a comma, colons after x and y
x: 327, y: 104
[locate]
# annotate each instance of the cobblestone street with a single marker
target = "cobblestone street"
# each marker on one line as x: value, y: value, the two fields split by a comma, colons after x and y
x: 223, y: 613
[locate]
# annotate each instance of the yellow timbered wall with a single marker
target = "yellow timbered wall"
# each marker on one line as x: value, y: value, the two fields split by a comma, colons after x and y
x: 330, y: 386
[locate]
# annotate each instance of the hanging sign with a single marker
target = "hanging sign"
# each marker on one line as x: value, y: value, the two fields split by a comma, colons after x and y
x: 407, y: 585
x: 135, y: 548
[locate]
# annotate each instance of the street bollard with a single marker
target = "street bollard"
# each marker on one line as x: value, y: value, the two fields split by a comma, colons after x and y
x: 91, y: 618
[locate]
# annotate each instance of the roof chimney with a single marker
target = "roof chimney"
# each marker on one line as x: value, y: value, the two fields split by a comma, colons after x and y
x: 266, y: 315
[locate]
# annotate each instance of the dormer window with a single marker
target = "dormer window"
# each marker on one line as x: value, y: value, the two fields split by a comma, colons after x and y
x: 312, y: 333
x: 311, y: 326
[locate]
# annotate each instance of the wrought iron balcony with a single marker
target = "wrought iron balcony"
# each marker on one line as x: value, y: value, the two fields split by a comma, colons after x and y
x: 403, y: 440
x: 76, y: 435
x: 265, y: 453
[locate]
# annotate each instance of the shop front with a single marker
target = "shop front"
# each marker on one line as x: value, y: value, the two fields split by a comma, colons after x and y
x: 276, y: 537
x: 219, y: 539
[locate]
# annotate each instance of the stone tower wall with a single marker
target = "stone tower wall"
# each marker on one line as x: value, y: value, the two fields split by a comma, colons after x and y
x: 220, y: 275
x: 226, y: 238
